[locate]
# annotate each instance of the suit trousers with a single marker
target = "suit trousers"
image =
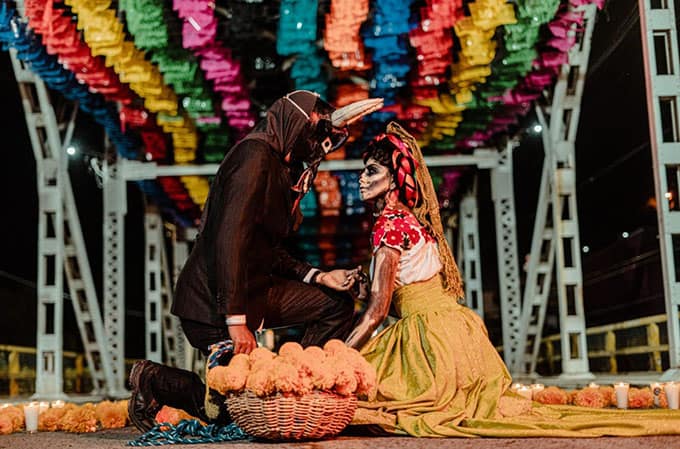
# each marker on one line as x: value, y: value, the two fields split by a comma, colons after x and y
x: 324, y: 313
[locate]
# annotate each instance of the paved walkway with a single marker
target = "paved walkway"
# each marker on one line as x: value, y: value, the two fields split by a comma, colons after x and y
x: 118, y: 438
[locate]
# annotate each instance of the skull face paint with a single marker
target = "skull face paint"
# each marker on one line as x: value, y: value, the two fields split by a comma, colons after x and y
x: 375, y: 180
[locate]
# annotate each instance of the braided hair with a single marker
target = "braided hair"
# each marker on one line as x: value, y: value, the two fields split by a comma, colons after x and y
x: 389, y: 151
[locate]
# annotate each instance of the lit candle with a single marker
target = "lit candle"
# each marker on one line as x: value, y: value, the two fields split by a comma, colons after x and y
x: 31, y: 416
x: 5, y: 405
x: 593, y: 385
x: 525, y: 391
x: 535, y: 388
x: 672, y: 390
x: 57, y: 404
x: 621, y: 389
x: 657, y: 388
x: 44, y: 405
x: 516, y: 386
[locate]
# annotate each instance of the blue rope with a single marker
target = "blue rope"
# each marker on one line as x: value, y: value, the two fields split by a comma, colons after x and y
x: 189, y: 431
x: 217, y: 351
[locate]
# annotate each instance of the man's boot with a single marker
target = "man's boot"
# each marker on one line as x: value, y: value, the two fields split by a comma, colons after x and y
x: 154, y: 385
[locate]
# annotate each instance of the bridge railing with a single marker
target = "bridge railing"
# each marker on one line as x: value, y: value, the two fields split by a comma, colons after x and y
x: 634, y: 345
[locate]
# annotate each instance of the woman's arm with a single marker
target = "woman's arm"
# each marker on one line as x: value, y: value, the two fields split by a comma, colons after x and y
x: 382, y: 287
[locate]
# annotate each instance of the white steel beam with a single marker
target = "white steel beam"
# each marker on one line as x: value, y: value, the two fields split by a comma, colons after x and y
x: 136, y: 170
x: 153, y: 245
x: 50, y: 167
x: 469, y: 259
x: 502, y: 192
x: 662, y: 79
x: 115, y: 208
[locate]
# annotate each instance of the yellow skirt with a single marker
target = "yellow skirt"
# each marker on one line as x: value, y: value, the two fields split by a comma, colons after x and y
x: 439, y: 376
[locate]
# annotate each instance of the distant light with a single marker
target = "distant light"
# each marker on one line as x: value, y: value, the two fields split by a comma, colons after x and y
x: 668, y: 195
x: 148, y: 156
x: 625, y: 235
x: 71, y: 150
x: 537, y: 129
x: 586, y: 249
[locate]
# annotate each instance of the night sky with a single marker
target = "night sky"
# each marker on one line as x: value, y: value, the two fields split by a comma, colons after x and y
x: 614, y: 176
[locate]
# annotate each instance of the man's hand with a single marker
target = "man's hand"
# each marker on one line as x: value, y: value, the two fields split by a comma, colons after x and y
x: 244, y: 340
x: 340, y: 280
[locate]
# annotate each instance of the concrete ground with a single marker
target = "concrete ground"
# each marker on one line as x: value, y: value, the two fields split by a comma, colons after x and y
x: 118, y: 438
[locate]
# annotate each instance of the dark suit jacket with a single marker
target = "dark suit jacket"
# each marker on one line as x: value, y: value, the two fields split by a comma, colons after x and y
x: 238, y: 249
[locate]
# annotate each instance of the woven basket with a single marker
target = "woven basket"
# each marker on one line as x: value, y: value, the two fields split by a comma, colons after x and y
x: 311, y: 416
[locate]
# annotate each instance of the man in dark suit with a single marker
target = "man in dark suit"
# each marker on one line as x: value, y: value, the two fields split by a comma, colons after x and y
x: 238, y: 277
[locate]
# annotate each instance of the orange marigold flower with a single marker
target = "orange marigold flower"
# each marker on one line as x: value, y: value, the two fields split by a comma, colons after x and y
x: 170, y: 415
x: 590, y: 397
x: 261, y: 378
x: 334, y: 347
x: 241, y: 362
x: 609, y: 395
x: 110, y: 415
x: 551, y: 396
x: 291, y: 348
x: 49, y: 420
x: 80, y: 419
x: 224, y: 379
x: 6, y: 426
x: 15, y: 414
x: 640, y: 398
x: 510, y: 406
x: 345, y: 380
x: 260, y: 353
x: 286, y: 379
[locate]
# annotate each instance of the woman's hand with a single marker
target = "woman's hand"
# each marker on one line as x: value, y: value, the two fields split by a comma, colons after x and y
x: 244, y: 340
x: 340, y: 280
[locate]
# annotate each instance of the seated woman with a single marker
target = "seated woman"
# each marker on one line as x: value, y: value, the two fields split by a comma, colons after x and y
x: 438, y: 373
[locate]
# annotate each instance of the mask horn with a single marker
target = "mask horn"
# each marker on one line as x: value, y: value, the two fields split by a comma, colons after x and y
x: 349, y: 114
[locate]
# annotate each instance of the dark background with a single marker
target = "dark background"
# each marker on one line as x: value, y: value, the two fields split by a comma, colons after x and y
x: 615, y: 194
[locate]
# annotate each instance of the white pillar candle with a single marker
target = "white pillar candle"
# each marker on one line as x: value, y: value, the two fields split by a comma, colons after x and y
x: 44, y: 405
x: 593, y: 385
x: 57, y: 404
x: 516, y: 386
x: 31, y: 416
x: 525, y: 391
x: 672, y: 390
x: 621, y: 389
x: 656, y: 388
x: 5, y: 405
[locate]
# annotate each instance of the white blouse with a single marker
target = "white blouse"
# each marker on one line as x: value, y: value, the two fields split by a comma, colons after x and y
x: 399, y: 229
